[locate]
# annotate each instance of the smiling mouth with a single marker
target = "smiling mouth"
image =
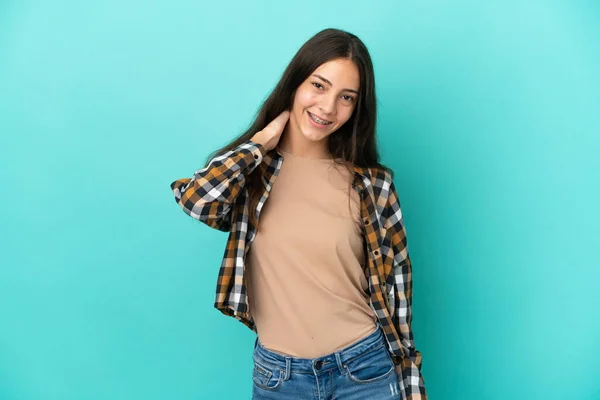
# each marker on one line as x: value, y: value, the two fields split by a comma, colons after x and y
x: 318, y: 120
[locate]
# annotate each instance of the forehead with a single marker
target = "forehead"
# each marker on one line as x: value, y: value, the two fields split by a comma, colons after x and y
x: 342, y: 73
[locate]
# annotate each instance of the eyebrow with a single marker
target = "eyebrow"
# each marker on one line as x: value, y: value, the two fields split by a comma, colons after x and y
x: 325, y: 80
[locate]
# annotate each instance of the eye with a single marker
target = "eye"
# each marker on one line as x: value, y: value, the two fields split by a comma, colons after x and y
x: 348, y: 98
x: 317, y: 85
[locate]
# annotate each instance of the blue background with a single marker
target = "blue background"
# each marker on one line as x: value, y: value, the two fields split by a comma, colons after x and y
x: 489, y: 114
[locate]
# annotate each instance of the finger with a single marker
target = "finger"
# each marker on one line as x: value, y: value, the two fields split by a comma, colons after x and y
x: 278, y: 123
x: 283, y: 117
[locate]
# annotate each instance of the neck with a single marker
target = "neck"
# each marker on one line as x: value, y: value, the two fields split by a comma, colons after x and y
x: 294, y: 142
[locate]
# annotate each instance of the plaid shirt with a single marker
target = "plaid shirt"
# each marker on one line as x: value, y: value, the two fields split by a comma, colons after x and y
x: 216, y: 196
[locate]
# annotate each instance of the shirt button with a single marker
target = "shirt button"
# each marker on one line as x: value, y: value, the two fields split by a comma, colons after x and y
x: 366, y: 221
x: 376, y: 252
x: 255, y: 157
x: 318, y: 364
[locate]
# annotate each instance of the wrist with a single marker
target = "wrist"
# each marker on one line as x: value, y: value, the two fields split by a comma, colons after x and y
x: 258, y: 141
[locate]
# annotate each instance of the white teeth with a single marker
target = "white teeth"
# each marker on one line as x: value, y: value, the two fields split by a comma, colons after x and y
x: 319, y: 121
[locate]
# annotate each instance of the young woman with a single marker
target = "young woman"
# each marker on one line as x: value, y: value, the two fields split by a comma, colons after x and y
x: 325, y: 278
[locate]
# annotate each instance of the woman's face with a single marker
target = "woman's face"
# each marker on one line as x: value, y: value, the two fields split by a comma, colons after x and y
x: 326, y: 99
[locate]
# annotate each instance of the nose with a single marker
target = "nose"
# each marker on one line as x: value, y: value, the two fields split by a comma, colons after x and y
x: 327, y: 106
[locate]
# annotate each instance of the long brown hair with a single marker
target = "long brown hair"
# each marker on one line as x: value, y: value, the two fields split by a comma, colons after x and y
x: 355, y: 141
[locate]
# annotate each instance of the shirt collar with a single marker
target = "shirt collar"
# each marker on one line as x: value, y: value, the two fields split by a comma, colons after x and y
x: 362, y: 171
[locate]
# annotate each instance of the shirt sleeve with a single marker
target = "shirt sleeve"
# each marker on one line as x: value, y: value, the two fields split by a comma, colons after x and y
x: 209, y: 194
x: 401, y: 300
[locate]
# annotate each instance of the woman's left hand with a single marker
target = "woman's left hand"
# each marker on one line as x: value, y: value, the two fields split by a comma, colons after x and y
x: 399, y: 370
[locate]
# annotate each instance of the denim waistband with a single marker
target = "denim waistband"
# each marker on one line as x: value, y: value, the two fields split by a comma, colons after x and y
x: 320, y: 364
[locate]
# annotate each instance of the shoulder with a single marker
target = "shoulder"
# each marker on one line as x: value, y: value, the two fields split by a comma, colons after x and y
x: 382, y: 180
x: 381, y: 184
x: 376, y: 173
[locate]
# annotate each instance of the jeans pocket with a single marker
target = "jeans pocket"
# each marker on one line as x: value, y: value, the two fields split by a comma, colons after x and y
x: 266, y: 376
x: 371, y: 366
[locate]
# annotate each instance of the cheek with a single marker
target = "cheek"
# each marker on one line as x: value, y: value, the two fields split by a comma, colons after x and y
x: 344, y: 115
x: 303, y: 100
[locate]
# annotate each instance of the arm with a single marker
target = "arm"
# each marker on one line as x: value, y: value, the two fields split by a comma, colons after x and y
x: 409, y: 370
x: 208, y: 195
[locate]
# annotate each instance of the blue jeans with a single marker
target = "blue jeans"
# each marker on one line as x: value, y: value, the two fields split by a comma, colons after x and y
x: 363, y: 370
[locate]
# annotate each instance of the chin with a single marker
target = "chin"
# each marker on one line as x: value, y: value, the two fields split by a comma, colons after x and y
x: 314, y: 136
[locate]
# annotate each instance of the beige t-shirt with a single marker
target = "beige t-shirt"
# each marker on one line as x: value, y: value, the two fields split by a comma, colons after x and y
x: 307, y: 290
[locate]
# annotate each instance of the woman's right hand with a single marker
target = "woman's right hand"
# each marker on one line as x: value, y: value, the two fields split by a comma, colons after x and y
x: 270, y: 135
